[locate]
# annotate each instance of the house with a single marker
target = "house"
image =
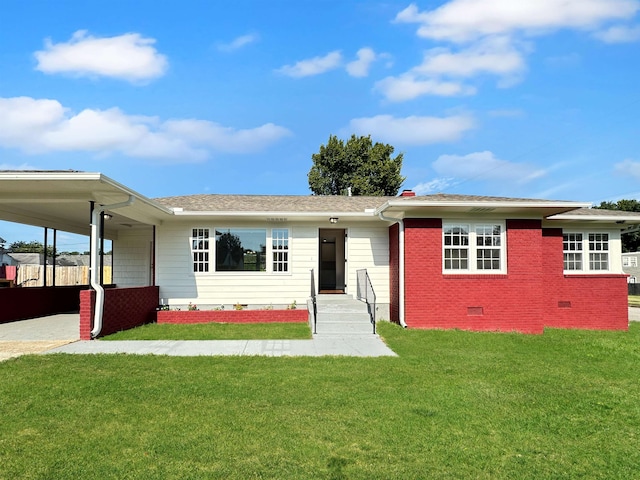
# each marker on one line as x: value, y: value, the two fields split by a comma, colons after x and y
x: 435, y: 261
x: 631, y: 266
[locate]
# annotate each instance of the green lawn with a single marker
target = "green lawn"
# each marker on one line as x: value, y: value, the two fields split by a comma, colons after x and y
x: 215, y: 331
x: 565, y: 404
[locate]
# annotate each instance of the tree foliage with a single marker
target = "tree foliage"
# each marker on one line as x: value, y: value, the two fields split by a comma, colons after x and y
x: 30, y: 247
x: 630, y: 241
x: 358, y: 163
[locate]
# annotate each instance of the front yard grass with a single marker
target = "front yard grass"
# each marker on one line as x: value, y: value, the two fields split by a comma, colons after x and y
x: 452, y: 405
x: 215, y: 331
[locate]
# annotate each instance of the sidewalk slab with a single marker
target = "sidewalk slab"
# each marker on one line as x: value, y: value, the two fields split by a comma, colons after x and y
x: 354, y: 346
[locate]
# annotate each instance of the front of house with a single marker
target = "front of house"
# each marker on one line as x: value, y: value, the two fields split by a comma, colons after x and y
x: 435, y: 261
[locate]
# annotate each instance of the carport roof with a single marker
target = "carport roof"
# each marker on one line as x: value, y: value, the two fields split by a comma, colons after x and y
x: 61, y: 199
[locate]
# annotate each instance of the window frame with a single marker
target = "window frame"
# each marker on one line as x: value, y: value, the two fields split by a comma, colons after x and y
x: 472, y: 246
x: 200, y: 245
x: 271, y: 234
x: 589, y: 238
x: 284, y: 253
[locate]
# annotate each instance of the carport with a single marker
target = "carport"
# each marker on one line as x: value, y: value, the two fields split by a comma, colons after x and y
x: 83, y: 203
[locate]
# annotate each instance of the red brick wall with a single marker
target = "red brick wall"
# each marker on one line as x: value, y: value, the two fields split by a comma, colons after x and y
x: 233, y: 316
x: 124, y: 308
x: 533, y: 294
x: 394, y: 272
x: 19, y: 303
x: 473, y: 302
x: 581, y: 301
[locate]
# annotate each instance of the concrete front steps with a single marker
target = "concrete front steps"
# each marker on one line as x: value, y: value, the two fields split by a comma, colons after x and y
x: 342, y: 315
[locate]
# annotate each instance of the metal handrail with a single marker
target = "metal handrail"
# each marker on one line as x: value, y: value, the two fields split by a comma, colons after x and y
x: 366, y: 293
x: 314, y: 302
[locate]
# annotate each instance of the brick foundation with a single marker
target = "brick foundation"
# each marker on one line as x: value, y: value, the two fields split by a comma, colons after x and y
x: 232, y: 316
x: 124, y: 308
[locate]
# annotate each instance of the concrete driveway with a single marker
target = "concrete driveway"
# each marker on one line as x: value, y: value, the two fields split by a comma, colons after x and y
x: 38, y: 335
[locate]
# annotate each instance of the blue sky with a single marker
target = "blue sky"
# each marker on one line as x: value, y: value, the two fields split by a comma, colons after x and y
x: 534, y: 98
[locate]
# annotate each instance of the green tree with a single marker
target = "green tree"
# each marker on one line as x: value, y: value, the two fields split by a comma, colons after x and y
x: 30, y: 247
x: 630, y: 241
x: 366, y: 167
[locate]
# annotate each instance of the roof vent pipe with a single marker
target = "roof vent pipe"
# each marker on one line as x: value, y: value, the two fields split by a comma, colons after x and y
x: 408, y: 193
x: 96, y: 234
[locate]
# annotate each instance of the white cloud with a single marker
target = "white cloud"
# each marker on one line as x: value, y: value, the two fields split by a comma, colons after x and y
x: 313, y: 66
x: 42, y: 125
x: 441, y: 70
x: 495, y: 55
x: 491, y: 33
x: 413, y: 130
x: 433, y: 186
x: 619, y: 34
x: 360, y: 67
x: 238, y: 42
x: 486, y: 166
x: 628, y: 167
x: 409, y: 86
x: 128, y: 57
x: 467, y: 20
x: 225, y: 139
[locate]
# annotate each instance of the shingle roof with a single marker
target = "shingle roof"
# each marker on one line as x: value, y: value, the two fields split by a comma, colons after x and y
x: 452, y: 197
x: 273, y: 203
x: 600, y: 212
x: 313, y: 203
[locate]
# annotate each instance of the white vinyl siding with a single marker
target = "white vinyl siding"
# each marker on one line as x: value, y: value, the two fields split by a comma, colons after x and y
x: 132, y: 253
x: 367, y: 248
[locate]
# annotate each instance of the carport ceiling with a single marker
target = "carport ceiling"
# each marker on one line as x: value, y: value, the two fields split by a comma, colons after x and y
x: 62, y: 200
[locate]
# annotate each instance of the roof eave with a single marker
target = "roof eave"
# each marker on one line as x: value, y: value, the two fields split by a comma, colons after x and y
x: 554, y: 208
x: 270, y: 214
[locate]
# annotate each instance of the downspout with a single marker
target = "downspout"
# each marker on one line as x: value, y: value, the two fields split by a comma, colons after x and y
x: 400, y: 222
x: 95, y: 253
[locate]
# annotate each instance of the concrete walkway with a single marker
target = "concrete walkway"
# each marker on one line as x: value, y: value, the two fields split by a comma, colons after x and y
x: 38, y: 335
x: 352, y: 346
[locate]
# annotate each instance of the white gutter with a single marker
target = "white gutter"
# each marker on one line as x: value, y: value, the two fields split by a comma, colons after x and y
x: 95, y: 246
x: 400, y: 222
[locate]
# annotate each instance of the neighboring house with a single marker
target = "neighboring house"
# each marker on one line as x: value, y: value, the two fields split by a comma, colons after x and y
x: 63, y: 260
x: 435, y: 261
x: 631, y: 266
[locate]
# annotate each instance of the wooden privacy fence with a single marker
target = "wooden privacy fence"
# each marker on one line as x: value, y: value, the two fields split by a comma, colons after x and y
x: 33, y: 275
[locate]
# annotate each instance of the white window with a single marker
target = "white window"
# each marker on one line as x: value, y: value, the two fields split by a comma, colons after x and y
x: 572, y: 248
x: 200, y: 249
x: 241, y: 249
x: 456, y: 247
x: 585, y: 252
x: 598, y: 251
x: 473, y: 248
x: 629, y: 261
x: 280, y: 249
